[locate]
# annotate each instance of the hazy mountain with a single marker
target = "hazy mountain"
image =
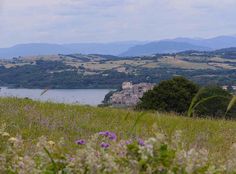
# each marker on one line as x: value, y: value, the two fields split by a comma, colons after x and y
x: 32, y: 49
x: 83, y: 48
x: 182, y: 44
x: 115, y: 48
x: 226, y: 50
x: 213, y: 43
x: 162, y: 47
x: 128, y: 48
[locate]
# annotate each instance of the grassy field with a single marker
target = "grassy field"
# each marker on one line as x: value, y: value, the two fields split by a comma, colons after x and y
x: 34, y: 119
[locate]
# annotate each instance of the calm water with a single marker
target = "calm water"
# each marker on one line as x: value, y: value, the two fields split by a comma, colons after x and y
x: 72, y: 96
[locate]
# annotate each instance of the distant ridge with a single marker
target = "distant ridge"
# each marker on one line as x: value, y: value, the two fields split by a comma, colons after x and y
x: 231, y: 51
x: 181, y: 44
x: 32, y: 49
x: 127, y: 48
x: 213, y: 43
x: 162, y: 47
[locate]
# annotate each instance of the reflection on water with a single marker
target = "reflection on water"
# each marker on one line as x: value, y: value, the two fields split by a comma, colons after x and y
x: 71, y: 96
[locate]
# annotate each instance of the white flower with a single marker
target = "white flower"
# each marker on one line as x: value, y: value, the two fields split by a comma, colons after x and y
x: 51, y: 143
x: 5, y: 134
x: 12, y: 139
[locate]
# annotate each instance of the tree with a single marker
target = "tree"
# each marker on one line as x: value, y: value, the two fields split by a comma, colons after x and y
x: 170, y: 95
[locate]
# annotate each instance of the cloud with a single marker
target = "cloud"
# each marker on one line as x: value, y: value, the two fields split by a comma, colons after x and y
x: 64, y: 21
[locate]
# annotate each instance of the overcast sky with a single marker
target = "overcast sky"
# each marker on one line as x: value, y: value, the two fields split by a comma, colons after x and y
x: 68, y: 21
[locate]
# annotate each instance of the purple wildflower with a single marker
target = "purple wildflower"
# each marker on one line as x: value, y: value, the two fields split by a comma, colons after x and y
x: 81, y: 142
x: 128, y: 142
x: 106, y: 133
x: 72, y: 159
x: 105, y: 145
x: 141, y: 142
x: 110, y: 135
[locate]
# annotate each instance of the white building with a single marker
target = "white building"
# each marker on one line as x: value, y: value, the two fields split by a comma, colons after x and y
x: 127, y: 85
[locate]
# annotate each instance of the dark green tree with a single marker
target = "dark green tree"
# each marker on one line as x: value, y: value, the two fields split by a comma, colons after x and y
x: 170, y: 95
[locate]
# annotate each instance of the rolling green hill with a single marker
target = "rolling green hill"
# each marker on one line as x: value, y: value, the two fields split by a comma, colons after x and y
x: 96, y: 71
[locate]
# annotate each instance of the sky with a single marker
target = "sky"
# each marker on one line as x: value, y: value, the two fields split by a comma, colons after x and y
x: 74, y: 21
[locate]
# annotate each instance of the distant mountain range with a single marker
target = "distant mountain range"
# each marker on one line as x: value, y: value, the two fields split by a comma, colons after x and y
x: 128, y: 48
x: 162, y: 47
x: 181, y: 44
x: 31, y: 49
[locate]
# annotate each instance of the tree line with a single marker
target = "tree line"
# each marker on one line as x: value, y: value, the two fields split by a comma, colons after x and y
x: 183, y: 96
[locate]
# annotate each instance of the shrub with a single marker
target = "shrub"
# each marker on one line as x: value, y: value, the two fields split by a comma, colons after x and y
x: 170, y: 95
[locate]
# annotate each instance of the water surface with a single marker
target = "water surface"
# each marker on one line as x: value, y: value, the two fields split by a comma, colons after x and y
x: 70, y: 96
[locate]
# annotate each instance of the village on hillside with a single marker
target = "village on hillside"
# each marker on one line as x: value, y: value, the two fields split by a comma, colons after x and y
x: 130, y: 94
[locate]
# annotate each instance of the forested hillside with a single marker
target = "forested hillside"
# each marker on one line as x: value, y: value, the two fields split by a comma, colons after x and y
x: 101, y: 71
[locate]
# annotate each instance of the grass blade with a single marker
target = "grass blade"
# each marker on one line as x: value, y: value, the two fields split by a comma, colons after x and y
x: 194, y: 100
x: 126, y: 117
x: 231, y: 104
x: 52, y: 160
x: 136, y: 122
x: 44, y: 91
x: 190, y: 112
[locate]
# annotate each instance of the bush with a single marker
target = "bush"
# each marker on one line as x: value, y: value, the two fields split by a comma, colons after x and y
x: 170, y: 95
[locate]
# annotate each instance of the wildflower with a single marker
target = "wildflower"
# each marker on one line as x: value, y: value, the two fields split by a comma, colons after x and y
x: 12, y: 139
x: 105, y: 145
x: 106, y: 133
x: 110, y: 135
x: 81, y: 142
x: 141, y: 142
x: 128, y: 142
x: 5, y: 134
x: 52, y: 143
x: 71, y: 159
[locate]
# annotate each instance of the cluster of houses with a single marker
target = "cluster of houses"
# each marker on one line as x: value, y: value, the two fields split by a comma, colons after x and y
x: 130, y: 94
x: 229, y: 88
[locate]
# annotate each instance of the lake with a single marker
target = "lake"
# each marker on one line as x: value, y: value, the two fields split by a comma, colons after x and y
x: 70, y: 96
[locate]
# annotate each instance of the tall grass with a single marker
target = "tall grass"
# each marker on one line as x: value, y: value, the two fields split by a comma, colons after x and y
x: 32, y: 119
x: 197, y: 100
x: 231, y: 104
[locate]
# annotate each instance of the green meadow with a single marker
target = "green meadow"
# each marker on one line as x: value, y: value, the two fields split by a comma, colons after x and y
x: 32, y: 119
